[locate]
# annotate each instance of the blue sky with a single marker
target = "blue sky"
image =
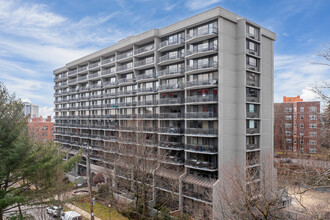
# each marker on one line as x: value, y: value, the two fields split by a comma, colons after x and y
x: 37, y: 37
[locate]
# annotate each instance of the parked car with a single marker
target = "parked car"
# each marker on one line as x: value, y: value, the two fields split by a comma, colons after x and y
x: 285, y: 160
x: 54, y: 210
x: 71, y: 215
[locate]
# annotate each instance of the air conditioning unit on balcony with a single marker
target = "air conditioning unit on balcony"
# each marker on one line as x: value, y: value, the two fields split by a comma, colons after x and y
x: 215, y: 81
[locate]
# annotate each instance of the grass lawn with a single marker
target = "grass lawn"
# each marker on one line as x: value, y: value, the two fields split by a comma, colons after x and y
x: 100, y: 210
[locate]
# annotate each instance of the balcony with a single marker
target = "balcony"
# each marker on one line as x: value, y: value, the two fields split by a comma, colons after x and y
x: 147, y: 115
x: 110, y: 84
x: 94, y: 65
x: 177, y: 86
x: 252, y: 67
x: 168, y: 130
x: 110, y: 94
x: 167, y: 73
x: 148, y: 102
x: 81, y: 69
x: 82, y: 78
x: 126, y: 92
x: 125, y: 55
x: 147, y: 90
x: 127, y: 116
x: 252, y: 130
x: 96, y: 96
x: 143, y: 51
x: 171, y: 145
x: 171, y: 101
x: 252, y: 52
x: 72, y: 81
x: 173, y: 160
x: 126, y: 80
x: 94, y: 75
x: 167, y: 59
x: 108, y: 72
x: 144, y: 63
x: 168, y: 45
x: 82, y: 89
x: 202, y: 83
x: 203, y: 149
x: 252, y: 98
x: 201, y: 51
x: 252, y: 114
x: 202, y: 34
x: 201, y: 165
x: 254, y: 83
x: 145, y: 77
x: 124, y: 68
x: 171, y: 115
x: 95, y: 86
x: 110, y: 105
x: 71, y: 72
x: 252, y: 147
x: 126, y: 104
x: 202, y: 67
x: 201, y: 98
x: 108, y: 60
x: 201, y: 115
x: 202, y: 131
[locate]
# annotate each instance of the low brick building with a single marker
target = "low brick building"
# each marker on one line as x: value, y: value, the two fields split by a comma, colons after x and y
x: 41, y: 129
x: 297, y: 125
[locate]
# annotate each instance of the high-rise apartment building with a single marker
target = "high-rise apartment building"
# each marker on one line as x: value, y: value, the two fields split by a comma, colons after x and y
x: 297, y: 125
x: 203, y: 86
x: 31, y: 109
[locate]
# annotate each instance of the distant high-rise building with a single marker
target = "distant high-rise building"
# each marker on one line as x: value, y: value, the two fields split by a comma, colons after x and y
x: 203, y: 86
x: 31, y: 109
x: 297, y: 125
x: 41, y: 129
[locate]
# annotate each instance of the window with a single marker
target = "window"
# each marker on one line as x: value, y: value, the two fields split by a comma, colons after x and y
x: 295, y: 109
x: 287, y: 133
x: 251, y: 108
x: 288, y: 125
x: 288, y: 117
x: 288, y: 140
x: 312, y: 109
x: 301, y: 141
x: 45, y: 128
x: 312, y: 125
x: 252, y: 61
x: 312, y: 150
x: 301, y: 133
x: 312, y: 142
x: 312, y: 133
x: 301, y: 109
x: 312, y: 117
x: 301, y: 125
x: 301, y: 117
x: 288, y: 109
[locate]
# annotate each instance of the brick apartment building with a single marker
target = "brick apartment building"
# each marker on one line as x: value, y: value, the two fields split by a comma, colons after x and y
x: 297, y: 125
x: 41, y: 128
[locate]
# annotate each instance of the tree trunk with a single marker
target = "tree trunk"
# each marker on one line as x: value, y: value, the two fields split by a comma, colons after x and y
x: 20, y: 211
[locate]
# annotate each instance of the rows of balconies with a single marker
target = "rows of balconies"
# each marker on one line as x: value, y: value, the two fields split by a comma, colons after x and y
x: 202, y: 165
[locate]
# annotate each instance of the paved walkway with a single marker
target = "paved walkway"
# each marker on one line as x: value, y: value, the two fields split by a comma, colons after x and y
x: 80, y: 211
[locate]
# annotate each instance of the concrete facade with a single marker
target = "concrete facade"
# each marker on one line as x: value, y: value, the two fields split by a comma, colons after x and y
x: 206, y: 83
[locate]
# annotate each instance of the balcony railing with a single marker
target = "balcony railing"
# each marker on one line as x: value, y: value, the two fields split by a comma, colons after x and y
x: 72, y: 80
x: 148, y: 102
x: 252, y: 114
x: 252, y: 83
x: 201, y: 115
x: 147, y: 115
x: 171, y: 115
x: 124, y: 67
x: 252, y: 99
x: 71, y: 72
x: 168, y: 57
x: 166, y: 101
x: 81, y: 78
x: 202, y: 131
x: 83, y: 68
x: 93, y: 65
x: 126, y: 104
x: 110, y: 83
x: 205, y: 82
x: 202, y: 148
x: 108, y: 60
x: 93, y: 75
x: 144, y: 62
x: 169, y: 43
x: 171, y: 86
x: 202, y: 32
x: 171, y: 130
x: 145, y: 76
x: 124, y: 55
x: 169, y: 145
x: 85, y: 88
x: 251, y: 67
x: 168, y: 72
x: 144, y: 49
x: 126, y: 92
x: 252, y: 146
x: 201, y: 164
x: 125, y: 80
x: 110, y: 94
x: 197, y: 66
x: 201, y: 98
x: 252, y: 130
x: 95, y: 86
x: 108, y: 71
x: 150, y: 89
x: 202, y: 49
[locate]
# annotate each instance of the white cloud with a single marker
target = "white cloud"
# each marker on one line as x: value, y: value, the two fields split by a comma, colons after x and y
x: 199, y: 4
x: 308, y: 95
x: 46, y: 111
x: 294, y: 74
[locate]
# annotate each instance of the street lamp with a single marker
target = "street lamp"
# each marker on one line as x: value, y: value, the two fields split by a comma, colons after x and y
x: 89, y: 182
x: 109, y: 206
